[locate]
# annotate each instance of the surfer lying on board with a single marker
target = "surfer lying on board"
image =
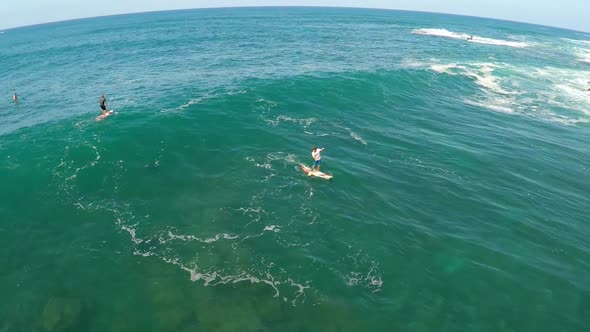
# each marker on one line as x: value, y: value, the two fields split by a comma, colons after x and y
x: 317, y: 158
x: 103, y: 104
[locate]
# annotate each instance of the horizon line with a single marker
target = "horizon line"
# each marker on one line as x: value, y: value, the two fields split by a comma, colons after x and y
x: 287, y: 6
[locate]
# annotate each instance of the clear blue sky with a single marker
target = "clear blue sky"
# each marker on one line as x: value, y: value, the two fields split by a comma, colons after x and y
x: 573, y: 14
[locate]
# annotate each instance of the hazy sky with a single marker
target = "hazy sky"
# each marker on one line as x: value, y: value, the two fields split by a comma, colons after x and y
x: 574, y: 14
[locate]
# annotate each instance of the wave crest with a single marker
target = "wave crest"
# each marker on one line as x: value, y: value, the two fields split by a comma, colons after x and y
x: 468, y: 37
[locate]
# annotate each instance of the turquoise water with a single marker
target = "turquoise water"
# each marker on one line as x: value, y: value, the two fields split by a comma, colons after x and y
x: 460, y: 192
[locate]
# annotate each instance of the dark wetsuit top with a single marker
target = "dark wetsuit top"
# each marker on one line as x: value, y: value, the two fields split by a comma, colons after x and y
x: 102, y: 101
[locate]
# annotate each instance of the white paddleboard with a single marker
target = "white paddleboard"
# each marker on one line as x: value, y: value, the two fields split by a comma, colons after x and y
x: 102, y: 117
x: 318, y: 174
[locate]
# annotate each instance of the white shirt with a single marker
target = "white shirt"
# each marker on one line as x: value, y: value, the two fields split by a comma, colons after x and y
x: 316, y: 154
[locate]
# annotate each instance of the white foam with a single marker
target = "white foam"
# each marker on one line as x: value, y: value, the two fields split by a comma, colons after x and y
x: 357, y: 137
x: 269, y: 228
x: 568, y: 121
x: 524, y: 90
x: 464, y: 36
x: 272, y: 228
x: 440, y: 33
x: 236, y: 92
x: 195, y: 101
x: 498, y: 42
x: 579, y: 48
x: 482, y: 73
x: 490, y: 105
x: 352, y: 279
x: 583, y: 55
x: 282, y: 156
x: 287, y: 158
x: 283, y: 118
x: 577, y: 41
x: 446, y: 69
x: 484, y: 77
x: 566, y: 88
x: 257, y: 210
x: 224, y: 236
x: 372, y: 279
x: 265, y: 165
x: 254, y: 213
x: 540, y: 92
x: 413, y: 64
x: 79, y: 169
x: 189, y: 103
x: 354, y: 135
x: 575, y: 94
x: 133, y: 234
x: 213, y: 278
x: 300, y: 291
x: 143, y: 254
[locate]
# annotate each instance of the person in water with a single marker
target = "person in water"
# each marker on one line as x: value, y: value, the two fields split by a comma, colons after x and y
x: 317, y: 158
x: 103, y: 104
x: 470, y: 37
x: 15, y: 98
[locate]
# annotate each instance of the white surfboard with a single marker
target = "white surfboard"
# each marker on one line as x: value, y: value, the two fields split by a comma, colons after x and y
x: 102, y: 117
x: 318, y: 174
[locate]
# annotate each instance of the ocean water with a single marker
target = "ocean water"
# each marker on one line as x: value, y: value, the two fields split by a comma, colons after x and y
x: 461, y: 173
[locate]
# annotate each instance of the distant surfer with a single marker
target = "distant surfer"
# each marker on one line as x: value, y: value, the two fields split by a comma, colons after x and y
x: 470, y: 37
x: 103, y: 105
x: 15, y: 98
x: 317, y: 158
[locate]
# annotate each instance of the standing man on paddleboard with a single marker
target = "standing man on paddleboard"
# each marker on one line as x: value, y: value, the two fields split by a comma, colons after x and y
x: 103, y: 104
x: 317, y: 158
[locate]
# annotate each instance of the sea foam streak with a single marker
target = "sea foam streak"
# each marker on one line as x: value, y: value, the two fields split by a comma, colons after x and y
x: 208, y: 276
x: 476, y: 39
x: 481, y: 73
x: 354, y: 135
x: 282, y: 118
x: 580, y: 50
x: 577, y: 41
x: 583, y: 55
x: 172, y: 236
x: 521, y: 90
